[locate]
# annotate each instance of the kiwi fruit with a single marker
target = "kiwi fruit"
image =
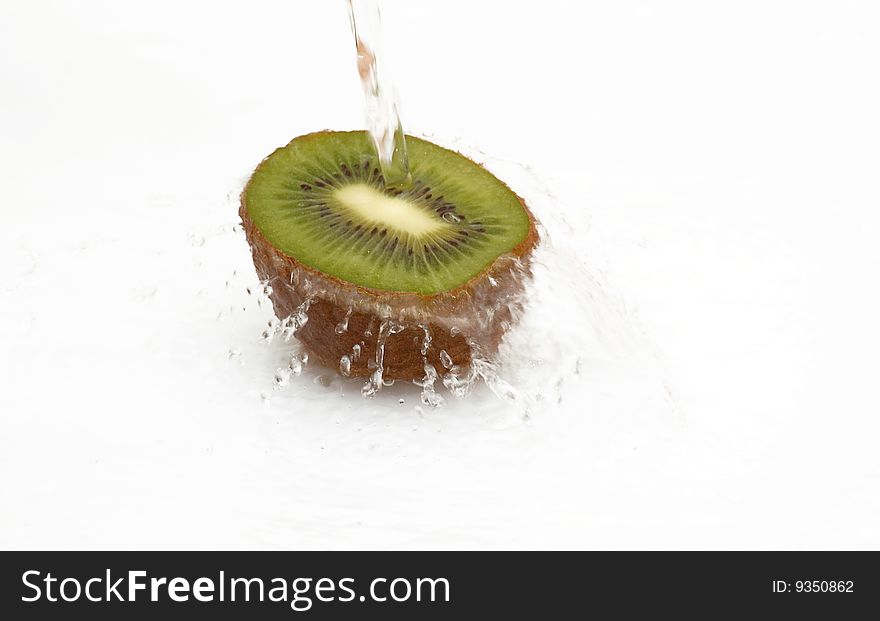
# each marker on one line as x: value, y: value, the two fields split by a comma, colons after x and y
x: 375, y: 277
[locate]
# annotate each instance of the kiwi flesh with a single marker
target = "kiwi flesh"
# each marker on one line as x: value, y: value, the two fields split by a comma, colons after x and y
x: 387, y: 278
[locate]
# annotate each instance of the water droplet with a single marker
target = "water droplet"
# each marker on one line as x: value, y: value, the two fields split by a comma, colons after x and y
x: 426, y: 341
x: 274, y: 326
x: 451, y: 217
x: 373, y: 384
x: 445, y: 359
x: 429, y: 396
x: 345, y: 366
x: 282, y: 378
x: 342, y: 326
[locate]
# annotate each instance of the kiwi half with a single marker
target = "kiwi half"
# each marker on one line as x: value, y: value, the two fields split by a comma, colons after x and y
x: 387, y: 278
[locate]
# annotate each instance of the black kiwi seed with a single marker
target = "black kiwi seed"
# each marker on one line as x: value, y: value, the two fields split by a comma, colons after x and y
x: 305, y: 186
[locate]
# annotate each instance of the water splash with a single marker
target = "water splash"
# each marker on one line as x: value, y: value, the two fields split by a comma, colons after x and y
x: 288, y: 326
x: 294, y: 368
x: 429, y: 394
x: 376, y: 381
x: 564, y: 328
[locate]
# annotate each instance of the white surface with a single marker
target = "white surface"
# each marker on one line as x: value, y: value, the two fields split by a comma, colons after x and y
x: 718, y: 162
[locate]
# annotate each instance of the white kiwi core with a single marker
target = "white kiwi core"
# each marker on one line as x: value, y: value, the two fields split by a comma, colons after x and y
x: 392, y: 212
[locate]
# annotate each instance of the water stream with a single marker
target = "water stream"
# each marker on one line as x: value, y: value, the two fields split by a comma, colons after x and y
x: 382, y: 114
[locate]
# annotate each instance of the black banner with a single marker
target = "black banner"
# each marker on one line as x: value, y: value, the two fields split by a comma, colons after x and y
x: 322, y: 585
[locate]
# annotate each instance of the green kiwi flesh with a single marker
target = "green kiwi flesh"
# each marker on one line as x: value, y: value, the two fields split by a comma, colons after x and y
x: 323, y: 201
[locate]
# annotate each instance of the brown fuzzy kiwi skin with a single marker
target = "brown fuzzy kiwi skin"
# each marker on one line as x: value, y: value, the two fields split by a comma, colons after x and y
x: 293, y: 283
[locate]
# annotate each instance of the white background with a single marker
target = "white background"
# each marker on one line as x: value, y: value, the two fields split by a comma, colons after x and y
x: 718, y: 164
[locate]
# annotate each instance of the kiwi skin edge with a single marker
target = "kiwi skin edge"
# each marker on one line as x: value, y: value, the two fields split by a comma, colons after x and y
x: 403, y: 358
